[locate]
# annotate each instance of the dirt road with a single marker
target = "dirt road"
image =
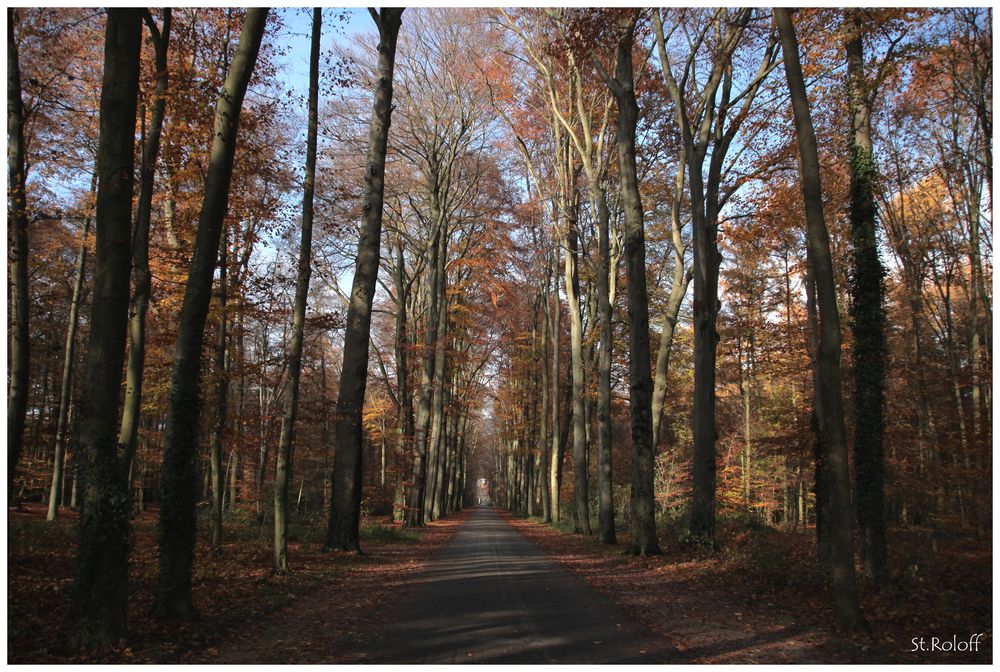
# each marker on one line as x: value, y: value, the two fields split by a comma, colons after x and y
x: 492, y: 596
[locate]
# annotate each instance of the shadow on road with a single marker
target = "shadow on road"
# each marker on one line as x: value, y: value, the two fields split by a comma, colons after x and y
x: 493, y: 597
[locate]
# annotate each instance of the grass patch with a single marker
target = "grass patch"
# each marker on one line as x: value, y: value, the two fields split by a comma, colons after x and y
x: 388, y: 533
x: 565, y: 526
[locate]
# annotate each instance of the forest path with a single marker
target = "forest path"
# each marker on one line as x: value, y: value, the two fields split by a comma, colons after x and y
x: 492, y: 596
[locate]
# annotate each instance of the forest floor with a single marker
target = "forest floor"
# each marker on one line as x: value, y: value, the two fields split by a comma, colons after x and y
x: 757, y: 601
x: 760, y: 599
x: 491, y: 596
x: 236, y: 594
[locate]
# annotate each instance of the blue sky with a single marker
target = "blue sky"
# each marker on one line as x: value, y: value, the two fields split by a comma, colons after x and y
x: 296, y: 34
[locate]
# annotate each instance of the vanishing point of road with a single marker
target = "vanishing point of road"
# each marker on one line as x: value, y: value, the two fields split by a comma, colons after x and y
x: 491, y: 596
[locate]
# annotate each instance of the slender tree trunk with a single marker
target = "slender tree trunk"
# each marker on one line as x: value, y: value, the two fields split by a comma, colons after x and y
x: 403, y: 394
x: 345, y: 512
x: 953, y: 369
x: 325, y: 441
x: 544, y: 446
x: 43, y: 409
x: 643, y: 504
x: 417, y: 513
x: 286, y: 443
x: 681, y: 280
x: 17, y: 258
x: 460, y: 464
x: 99, y: 612
x: 140, y: 248
x: 449, y: 477
x: 555, y: 454
x: 606, y: 508
x: 744, y: 391
x: 581, y: 511
x: 415, y: 499
x: 55, y: 492
x: 232, y: 471
x: 868, y: 317
x: 567, y: 425
x: 177, y: 485
x: 221, y: 379
x: 831, y: 416
x: 434, y: 448
x: 706, y: 338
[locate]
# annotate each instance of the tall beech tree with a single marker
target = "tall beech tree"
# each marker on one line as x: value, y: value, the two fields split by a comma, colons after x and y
x: 142, y: 281
x: 66, y: 385
x: 590, y: 146
x: 17, y: 257
x: 709, y: 114
x: 569, y: 213
x: 100, y: 590
x: 178, y: 484
x: 345, y: 511
x: 220, y: 379
x: 867, y: 311
x: 570, y: 116
x: 828, y: 396
x: 643, y: 503
x: 287, y: 438
x: 556, y: 449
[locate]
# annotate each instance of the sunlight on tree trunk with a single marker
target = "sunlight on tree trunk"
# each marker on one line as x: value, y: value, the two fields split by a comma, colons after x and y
x: 345, y: 513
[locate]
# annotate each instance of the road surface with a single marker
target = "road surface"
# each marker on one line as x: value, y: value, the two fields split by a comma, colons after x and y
x: 492, y: 596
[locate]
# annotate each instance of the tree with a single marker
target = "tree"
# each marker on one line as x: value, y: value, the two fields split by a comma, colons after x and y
x: 590, y: 147
x: 55, y: 491
x: 345, y: 512
x: 828, y: 397
x: 178, y: 486
x: 867, y: 313
x: 17, y: 396
x: 287, y: 440
x: 100, y: 589
x: 711, y: 121
x: 140, y: 247
x: 221, y: 381
x: 643, y: 505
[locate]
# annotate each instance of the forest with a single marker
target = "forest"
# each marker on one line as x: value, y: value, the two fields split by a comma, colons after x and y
x: 700, y: 294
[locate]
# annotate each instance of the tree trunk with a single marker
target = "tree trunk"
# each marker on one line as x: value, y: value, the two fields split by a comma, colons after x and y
x: 55, y: 492
x: 581, y: 512
x: 221, y: 393
x: 325, y: 440
x: 177, y: 485
x: 706, y: 338
x: 43, y: 408
x: 821, y: 471
x: 867, y: 317
x: 435, y: 445
x: 643, y: 504
x: 140, y: 249
x: 417, y: 513
x: 606, y: 507
x: 99, y: 611
x: 831, y: 410
x: 345, y: 512
x: 286, y: 443
x: 17, y: 215
x: 681, y: 280
x: 232, y: 472
x: 415, y: 498
x: 544, y: 446
x: 701, y: 117
x: 555, y: 454
x: 403, y: 394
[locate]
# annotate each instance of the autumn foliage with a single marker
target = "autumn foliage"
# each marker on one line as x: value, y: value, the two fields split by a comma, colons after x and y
x: 484, y: 381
